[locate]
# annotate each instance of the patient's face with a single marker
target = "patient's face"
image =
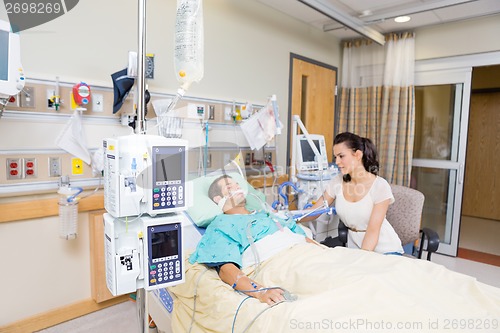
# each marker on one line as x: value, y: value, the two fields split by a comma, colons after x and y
x: 231, y: 191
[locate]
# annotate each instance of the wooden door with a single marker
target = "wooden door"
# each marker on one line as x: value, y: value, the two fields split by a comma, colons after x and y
x: 312, y: 98
x: 482, y: 166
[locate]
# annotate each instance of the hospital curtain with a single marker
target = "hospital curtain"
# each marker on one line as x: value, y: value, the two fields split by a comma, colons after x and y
x: 377, y: 100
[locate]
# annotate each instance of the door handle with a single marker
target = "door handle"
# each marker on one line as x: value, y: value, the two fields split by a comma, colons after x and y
x: 461, y: 173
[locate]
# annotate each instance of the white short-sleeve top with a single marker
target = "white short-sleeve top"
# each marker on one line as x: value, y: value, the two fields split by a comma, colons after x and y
x: 356, y: 215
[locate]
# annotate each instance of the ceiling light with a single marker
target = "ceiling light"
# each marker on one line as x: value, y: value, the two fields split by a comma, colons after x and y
x: 402, y: 19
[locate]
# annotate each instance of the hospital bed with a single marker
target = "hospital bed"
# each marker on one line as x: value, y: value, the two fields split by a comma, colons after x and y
x: 337, y: 289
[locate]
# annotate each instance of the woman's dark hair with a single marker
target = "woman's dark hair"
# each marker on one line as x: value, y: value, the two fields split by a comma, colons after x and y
x: 355, y: 142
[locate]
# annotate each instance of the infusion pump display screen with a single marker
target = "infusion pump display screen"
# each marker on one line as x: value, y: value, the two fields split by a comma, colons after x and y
x: 169, y: 173
x: 165, y: 260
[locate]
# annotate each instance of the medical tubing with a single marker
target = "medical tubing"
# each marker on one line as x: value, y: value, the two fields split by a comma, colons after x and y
x: 178, y: 96
x: 237, y: 310
x: 253, y: 248
x: 262, y: 203
x: 280, y: 191
x: 314, y: 212
x: 260, y: 313
x: 73, y: 197
x: 93, y: 192
x: 195, y: 295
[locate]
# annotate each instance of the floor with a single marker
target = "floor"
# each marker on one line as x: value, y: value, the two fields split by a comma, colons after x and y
x: 478, y: 235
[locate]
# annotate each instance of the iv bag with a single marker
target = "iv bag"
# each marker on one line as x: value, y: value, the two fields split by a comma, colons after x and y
x: 188, y: 52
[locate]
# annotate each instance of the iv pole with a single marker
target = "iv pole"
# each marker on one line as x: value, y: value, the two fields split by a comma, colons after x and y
x: 140, y: 128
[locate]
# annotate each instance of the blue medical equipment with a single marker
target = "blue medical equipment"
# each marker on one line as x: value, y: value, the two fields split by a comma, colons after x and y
x: 277, y: 204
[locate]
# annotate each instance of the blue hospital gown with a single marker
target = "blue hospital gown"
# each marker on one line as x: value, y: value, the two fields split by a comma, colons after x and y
x: 225, y: 239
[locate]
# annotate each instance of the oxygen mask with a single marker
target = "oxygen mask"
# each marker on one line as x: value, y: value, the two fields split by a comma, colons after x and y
x: 231, y: 195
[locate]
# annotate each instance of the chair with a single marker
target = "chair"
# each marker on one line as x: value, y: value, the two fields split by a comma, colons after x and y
x: 405, y: 216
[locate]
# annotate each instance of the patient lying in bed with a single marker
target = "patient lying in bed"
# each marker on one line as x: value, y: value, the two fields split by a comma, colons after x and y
x: 229, y: 242
x: 338, y: 289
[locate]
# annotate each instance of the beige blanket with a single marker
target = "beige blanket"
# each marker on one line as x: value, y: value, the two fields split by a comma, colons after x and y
x: 340, y: 290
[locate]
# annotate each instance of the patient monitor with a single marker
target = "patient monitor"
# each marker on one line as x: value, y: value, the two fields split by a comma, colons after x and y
x: 306, y: 158
x: 144, y: 252
x: 11, y: 72
x: 144, y: 174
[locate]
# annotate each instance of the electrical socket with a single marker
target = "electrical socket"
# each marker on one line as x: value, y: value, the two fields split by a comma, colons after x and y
x: 14, y: 168
x: 30, y: 168
x: 54, y: 167
x: 27, y: 97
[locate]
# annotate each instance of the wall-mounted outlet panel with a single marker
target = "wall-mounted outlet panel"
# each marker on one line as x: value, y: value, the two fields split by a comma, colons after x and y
x: 55, y: 167
x: 228, y: 113
x: 211, y: 112
x: 50, y: 98
x: 97, y: 103
x: 30, y: 170
x: 27, y: 97
x: 14, y: 168
x: 76, y: 166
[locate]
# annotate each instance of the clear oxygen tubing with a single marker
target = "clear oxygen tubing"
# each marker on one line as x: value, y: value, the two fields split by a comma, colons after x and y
x: 195, y: 296
x: 253, y: 247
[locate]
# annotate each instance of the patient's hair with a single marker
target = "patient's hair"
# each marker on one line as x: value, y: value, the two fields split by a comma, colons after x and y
x: 355, y: 142
x: 214, y: 189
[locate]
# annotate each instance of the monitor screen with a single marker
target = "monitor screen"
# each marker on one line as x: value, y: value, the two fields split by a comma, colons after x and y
x: 164, y: 244
x: 4, y: 55
x: 169, y: 166
x: 307, y: 152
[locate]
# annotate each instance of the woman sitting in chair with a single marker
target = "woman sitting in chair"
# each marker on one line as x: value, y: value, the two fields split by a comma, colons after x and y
x: 361, y: 196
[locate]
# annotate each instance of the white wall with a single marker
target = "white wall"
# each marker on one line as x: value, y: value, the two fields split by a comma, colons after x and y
x: 247, y: 50
x: 459, y: 38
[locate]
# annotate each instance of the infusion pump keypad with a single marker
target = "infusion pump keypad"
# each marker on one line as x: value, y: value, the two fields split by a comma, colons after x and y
x: 168, y: 195
x: 164, y: 270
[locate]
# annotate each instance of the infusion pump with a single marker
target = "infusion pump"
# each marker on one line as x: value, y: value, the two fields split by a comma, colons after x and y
x: 143, y: 252
x: 145, y: 174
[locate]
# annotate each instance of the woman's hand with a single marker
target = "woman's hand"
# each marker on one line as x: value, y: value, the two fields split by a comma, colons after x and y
x: 270, y: 296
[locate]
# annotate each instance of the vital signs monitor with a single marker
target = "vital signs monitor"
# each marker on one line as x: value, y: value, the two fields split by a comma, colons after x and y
x: 145, y: 174
x: 306, y: 159
x: 12, y: 78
